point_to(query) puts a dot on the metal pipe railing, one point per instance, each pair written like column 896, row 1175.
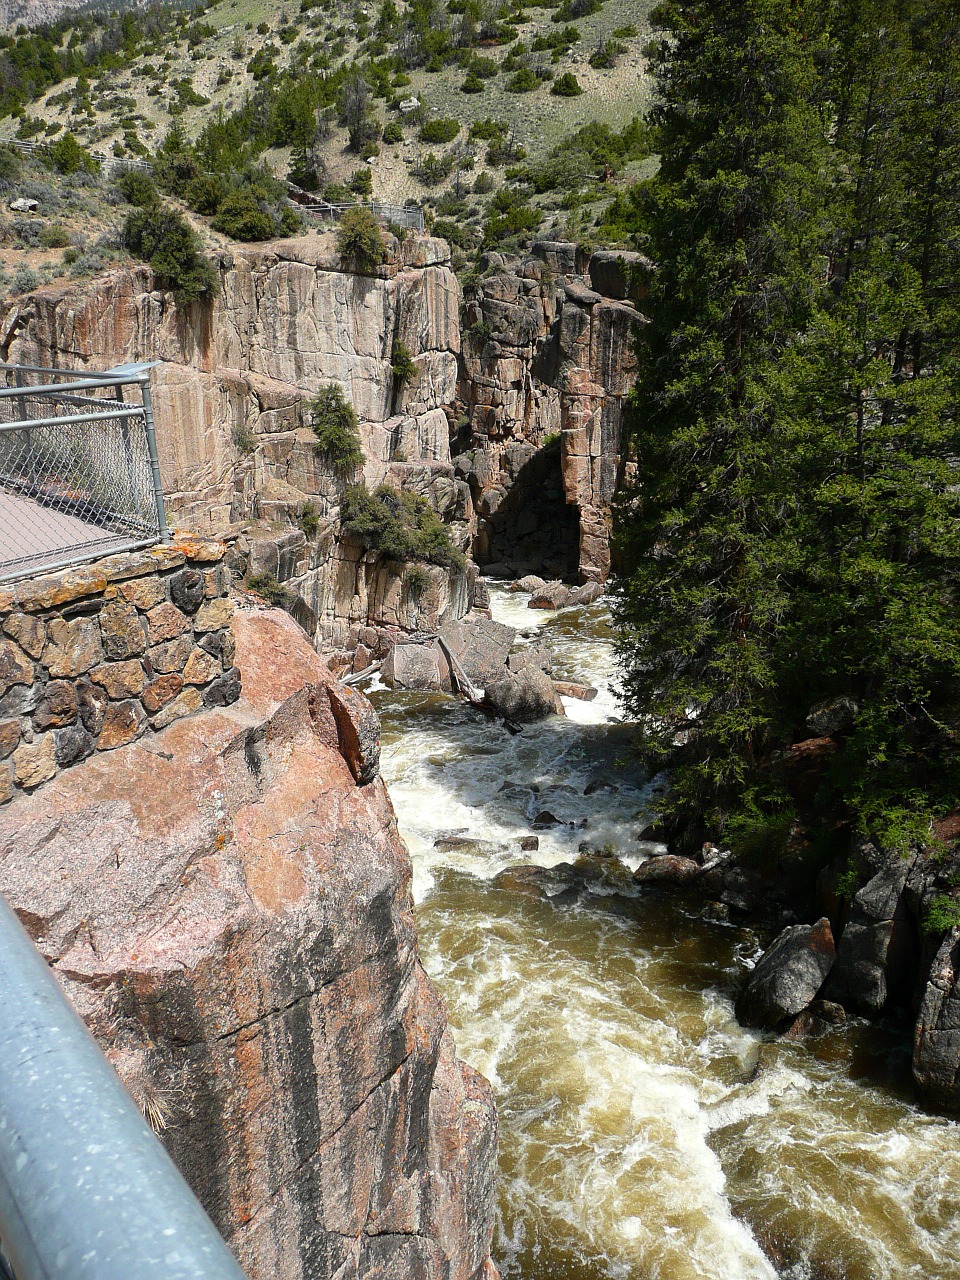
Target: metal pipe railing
column 87, row 1192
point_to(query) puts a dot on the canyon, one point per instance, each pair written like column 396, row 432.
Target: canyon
column 510, row 426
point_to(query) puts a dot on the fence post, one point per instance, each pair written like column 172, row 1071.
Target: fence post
column 154, row 461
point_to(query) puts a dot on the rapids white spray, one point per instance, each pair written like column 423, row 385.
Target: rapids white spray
column 644, row 1133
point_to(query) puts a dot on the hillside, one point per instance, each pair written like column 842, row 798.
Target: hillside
column 454, row 98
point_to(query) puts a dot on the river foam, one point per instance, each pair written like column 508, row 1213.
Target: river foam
column 644, row 1132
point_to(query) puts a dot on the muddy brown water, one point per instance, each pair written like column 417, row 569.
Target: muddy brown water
column 644, row 1134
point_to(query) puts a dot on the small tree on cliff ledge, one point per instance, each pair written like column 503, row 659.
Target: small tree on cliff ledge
column 360, row 241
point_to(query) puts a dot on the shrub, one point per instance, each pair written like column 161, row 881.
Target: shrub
column 308, row 519
column 137, row 188
column 161, row 236
column 416, row 579
column 242, row 216
column 566, row 86
column 439, row 131
column 67, row 156
column 401, row 526
column 244, row 438
column 266, row 585
column 335, row 425
column 484, row 183
column 360, row 241
column 10, row 167
column 574, row 9
column 402, row 364
column 54, row 237
column 944, row 914
column 361, row 182
column 606, row 54
column 393, row 133
column 472, row 84
column 205, row 193
column 24, row 279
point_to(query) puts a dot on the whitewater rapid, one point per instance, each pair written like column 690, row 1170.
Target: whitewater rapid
column 644, row 1134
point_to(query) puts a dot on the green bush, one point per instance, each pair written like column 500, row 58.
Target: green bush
column 404, row 369
column 308, row 518
column 439, row 131
column 401, row 526
column 566, row 86
column 335, row 425
column 472, row 84
column 944, row 914
column 67, row 156
column 54, row 237
column 266, row 585
column 574, row 9
column 243, row 216
column 360, row 241
column 416, row 580
column 10, row 167
column 393, row 133
column 205, row 193
column 162, row 236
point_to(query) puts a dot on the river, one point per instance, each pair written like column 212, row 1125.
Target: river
column 644, row 1134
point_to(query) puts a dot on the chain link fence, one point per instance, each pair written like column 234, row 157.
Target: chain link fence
column 79, row 474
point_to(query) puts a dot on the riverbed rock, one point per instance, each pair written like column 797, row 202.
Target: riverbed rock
column 530, row 582
column 569, row 689
column 788, row 975
column 412, row 666
column 524, row 697
column 239, row 936
column 936, row 1041
column 872, row 937
column 480, row 645
column 553, row 595
column 670, row 869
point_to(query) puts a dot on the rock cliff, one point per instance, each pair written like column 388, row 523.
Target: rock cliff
column 531, row 395
column 227, row 902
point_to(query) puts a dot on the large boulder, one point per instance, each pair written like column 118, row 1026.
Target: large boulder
column 936, row 1042
column 227, row 904
column 480, row 645
column 668, row 869
column 524, row 696
column 413, row 666
column 552, row 595
column 861, row 978
column 788, row 975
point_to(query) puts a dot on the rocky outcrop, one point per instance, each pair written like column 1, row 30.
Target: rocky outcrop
column 227, row 902
column 531, row 395
column 936, row 1043
column 788, row 975
column 231, row 394
column 547, row 363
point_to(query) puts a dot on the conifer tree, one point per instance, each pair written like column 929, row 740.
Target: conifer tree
column 732, row 224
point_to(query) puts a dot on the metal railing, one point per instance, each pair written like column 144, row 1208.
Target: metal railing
column 108, row 163
column 79, row 472
column 86, row 1190
column 402, row 215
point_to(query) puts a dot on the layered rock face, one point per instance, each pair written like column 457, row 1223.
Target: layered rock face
column 533, row 401
column 232, row 388
column 227, row 903
column 548, row 361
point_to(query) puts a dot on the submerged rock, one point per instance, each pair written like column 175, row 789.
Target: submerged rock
column 788, row 975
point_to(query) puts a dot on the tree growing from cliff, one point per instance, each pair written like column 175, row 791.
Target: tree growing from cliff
column 161, row 236
column 335, row 425
column 793, row 532
column 360, row 241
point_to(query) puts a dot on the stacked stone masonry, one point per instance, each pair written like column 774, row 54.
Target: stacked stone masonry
column 95, row 657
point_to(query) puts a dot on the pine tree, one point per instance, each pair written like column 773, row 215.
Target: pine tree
column 732, row 224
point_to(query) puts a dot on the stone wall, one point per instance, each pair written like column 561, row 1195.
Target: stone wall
column 95, row 657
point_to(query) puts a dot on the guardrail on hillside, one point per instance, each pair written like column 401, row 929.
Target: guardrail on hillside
column 400, row 215
column 79, row 471
column 86, row 1190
